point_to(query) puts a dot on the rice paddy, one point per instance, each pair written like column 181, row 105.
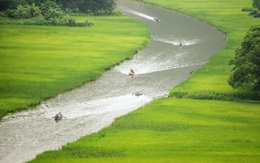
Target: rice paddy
column 39, row 62
column 183, row 129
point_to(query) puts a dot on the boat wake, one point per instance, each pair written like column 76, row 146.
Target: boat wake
column 158, row 62
column 123, row 103
column 176, row 41
column 138, row 14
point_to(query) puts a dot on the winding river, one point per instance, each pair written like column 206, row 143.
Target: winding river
column 88, row 109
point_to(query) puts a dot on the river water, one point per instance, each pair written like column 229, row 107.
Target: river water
column 88, row 109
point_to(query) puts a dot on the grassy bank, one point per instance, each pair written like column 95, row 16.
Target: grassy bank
column 184, row 130
column 172, row 130
column 38, row 62
column 211, row 81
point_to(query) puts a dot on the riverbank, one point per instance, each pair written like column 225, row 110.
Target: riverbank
column 184, row 130
column 210, row 82
column 172, row 130
column 39, row 62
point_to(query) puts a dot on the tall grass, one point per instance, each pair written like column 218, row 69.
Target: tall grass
column 172, row 130
column 38, row 62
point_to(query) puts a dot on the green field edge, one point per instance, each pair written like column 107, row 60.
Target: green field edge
column 232, row 94
column 35, row 104
column 95, row 75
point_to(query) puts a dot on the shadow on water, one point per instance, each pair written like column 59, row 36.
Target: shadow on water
column 158, row 68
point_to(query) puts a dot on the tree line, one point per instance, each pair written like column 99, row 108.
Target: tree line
column 256, row 4
column 94, row 7
column 55, row 12
column 255, row 11
column 246, row 72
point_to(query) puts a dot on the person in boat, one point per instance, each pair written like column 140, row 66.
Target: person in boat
column 137, row 93
column 156, row 19
column 58, row 116
column 131, row 73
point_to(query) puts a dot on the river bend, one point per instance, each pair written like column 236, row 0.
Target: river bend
column 95, row 105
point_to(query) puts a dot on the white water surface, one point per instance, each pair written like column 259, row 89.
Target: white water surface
column 127, row 10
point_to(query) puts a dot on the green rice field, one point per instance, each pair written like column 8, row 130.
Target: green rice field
column 39, row 62
column 172, row 130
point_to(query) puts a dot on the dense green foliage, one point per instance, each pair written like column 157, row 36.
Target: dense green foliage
column 24, row 12
column 255, row 12
column 39, row 62
column 48, row 13
column 55, row 12
column 256, row 4
column 246, row 73
column 11, row 4
column 95, row 7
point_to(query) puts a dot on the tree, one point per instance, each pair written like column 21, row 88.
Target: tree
column 24, row 12
column 95, row 7
column 246, row 73
column 256, row 4
column 10, row 4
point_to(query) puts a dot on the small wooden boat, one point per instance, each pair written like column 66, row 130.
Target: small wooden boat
column 137, row 93
column 58, row 117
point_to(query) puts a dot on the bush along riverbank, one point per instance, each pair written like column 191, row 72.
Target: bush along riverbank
column 39, row 62
column 180, row 129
